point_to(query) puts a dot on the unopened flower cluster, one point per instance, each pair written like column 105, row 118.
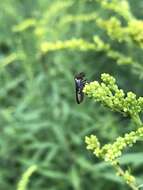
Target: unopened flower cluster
column 110, row 152
column 128, row 177
column 74, row 43
column 108, row 93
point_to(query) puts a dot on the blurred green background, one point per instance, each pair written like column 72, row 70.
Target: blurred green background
column 40, row 121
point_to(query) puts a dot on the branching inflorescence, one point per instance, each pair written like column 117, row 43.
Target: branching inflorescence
column 108, row 93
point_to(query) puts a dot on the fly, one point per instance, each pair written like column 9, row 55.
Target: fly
column 79, row 85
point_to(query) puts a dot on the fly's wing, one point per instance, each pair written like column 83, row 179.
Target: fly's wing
column 79, row 93
column 79, row 97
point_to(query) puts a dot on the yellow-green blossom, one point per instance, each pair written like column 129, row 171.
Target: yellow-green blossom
column 108, row 93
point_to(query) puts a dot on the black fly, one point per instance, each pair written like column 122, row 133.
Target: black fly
column 79, row 85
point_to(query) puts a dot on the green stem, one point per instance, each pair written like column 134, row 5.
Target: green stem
column 137, row 120
column 122, row 173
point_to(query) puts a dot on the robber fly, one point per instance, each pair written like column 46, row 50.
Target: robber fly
column 79, row 85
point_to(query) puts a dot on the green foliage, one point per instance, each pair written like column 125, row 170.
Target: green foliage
column 43, row 44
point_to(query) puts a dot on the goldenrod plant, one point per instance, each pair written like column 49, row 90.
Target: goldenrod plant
column 43, row 44
column 108, row 93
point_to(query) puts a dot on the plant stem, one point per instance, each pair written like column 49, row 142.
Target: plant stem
column 137, row 120
column 122, row 173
